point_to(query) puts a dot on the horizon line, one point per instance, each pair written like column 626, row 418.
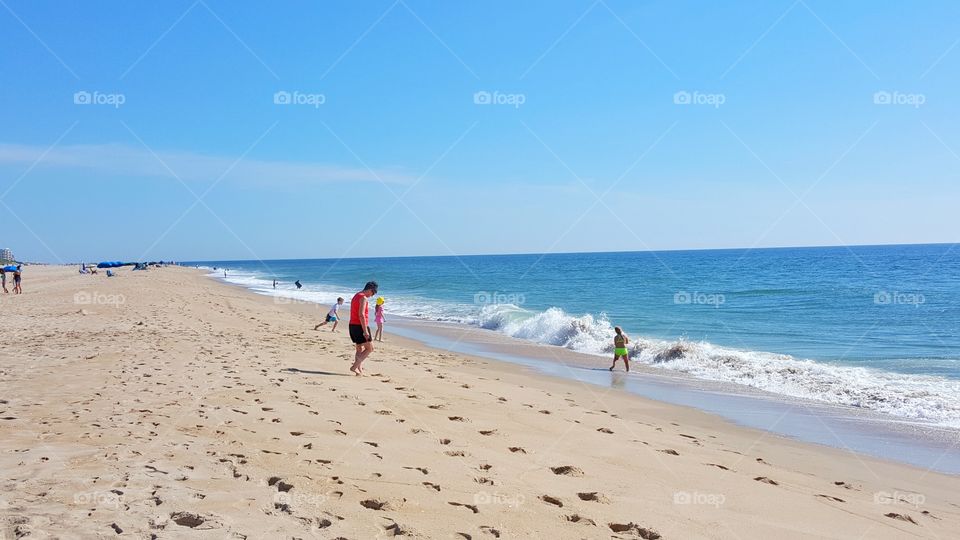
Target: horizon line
column 671, row 250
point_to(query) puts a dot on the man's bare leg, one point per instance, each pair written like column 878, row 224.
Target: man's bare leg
column 357, row 360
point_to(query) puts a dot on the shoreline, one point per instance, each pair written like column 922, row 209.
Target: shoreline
column 217, row 412
column 880, row 382
column 866, row 432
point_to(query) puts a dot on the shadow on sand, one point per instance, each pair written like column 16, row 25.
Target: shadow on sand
column 309, row 372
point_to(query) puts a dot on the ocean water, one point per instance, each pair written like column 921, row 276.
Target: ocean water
column 875, row 327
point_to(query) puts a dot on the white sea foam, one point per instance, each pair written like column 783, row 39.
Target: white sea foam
column 907, row 396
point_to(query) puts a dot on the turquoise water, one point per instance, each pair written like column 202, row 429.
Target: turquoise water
column 876, row 327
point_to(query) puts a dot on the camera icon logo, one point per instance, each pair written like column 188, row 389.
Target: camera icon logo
column 82, row 98
column 82, row 298
column 482, row 98
column 882, row 98
column 281, row 98
column 681, row 98
column 682, row 297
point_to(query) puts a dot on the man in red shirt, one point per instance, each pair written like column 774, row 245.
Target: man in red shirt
column 359, row 328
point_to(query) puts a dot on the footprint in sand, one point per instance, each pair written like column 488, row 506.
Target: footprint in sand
column 634, row 530
column 473, row 508
column 279, row 483
column 577, row 518
column 608, row 431
column 567, row 470
column 431, row 485
column 421, row 469
column 488, row 432
column 455, row 453
column 830, row 497
column 717, row 465
column 484, row 480
column 670, row 452
column 445, row 441
column 490, row 530
column 551, row 500
column 517, row 449
column 376, row 504
column 593, row 496
column 766, row 480
column 395, row 529
column 457, row 419
column 901, row 517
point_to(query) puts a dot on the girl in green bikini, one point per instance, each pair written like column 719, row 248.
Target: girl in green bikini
column 620, row 342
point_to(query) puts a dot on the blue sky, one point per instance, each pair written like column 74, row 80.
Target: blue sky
column 613, row 126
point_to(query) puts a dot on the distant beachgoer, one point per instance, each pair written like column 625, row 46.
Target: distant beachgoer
column 274, row 284
column 16, row 281
column 297, row 283
column 332, row 316
column 3, row 277
column 378, row 318
column 620, row 342
column 359, row 327
column 224, row 273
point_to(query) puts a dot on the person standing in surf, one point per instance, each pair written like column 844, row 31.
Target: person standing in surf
column 359, row 325
column 620, row 341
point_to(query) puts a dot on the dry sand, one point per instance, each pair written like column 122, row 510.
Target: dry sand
column 163, row 404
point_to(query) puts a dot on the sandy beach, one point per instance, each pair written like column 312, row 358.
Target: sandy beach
column 164, row 404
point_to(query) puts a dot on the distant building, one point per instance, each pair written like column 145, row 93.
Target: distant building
column 6, row 255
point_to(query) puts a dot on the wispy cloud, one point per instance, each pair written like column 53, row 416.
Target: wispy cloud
column 125, row 160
